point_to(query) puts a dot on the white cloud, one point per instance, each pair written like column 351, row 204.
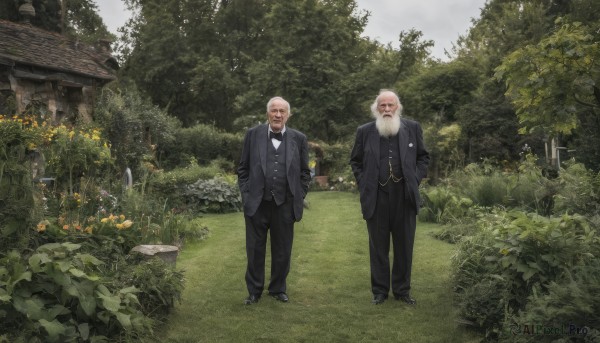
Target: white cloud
column 438, row 20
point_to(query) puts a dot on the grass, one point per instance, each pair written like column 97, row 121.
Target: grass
column 328, row 286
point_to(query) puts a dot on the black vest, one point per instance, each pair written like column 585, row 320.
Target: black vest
column 276, row 184
column 389, row 154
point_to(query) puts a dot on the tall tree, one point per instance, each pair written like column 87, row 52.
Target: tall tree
column 214, row 61
column 77, row 19
column 554, row 86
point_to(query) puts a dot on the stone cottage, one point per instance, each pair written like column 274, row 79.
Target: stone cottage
column 45, row 70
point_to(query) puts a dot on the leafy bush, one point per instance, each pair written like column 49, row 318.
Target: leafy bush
column 529, row 189
column 74, row 152
column 158, row 283
column 332, row 159
column 578, row 191
column 170, row 184
column 571, row 304
column 137, row 129
column 203, row 143
column 522, row 254
column 18, row 208
column 57, row 295
column 214, row 195
column 442, row 205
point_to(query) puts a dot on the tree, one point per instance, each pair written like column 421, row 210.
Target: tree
column 77, row 19
column 551, row 82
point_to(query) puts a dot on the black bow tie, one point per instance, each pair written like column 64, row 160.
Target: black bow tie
column 277, row 135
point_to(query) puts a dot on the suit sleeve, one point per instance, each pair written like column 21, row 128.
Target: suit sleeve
column 304, row 168
column 356, row 156
column 243, row 170
column 422, row 156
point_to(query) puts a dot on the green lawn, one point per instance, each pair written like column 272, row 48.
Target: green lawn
column 328, row 286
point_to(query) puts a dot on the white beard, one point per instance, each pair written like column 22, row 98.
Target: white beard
column 388, row 127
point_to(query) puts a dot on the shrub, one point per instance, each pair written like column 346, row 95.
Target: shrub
column 526, row 254
column 170, row 184
column 56, row 295
column 578, row 191
column 442, row 205
column 158, row 283
column 19, row 137
column 203, row 143
column 137, row 129
column 214, row 195
column 529, row 189
column 571, row 304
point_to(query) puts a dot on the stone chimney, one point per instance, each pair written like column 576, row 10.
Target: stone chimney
column 26, row 11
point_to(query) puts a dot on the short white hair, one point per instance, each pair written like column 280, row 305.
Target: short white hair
column 281, row 99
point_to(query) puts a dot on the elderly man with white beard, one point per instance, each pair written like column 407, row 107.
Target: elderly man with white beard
column 389, row 160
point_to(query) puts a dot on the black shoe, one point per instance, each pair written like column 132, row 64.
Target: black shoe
column 378, row 299
column 406, row 299
column 252, row 299
column 280, row 296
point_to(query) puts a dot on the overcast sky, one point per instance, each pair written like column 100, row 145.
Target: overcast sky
column 440, row 20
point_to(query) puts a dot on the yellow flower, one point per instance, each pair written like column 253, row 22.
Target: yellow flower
column 122, row 217
column 127, row 224
column 89, row 229
column 41, row 226
column 104, row 220
column 119, row 226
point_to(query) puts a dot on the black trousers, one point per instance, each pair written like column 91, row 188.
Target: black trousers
column 278, row 221
column 396, row 217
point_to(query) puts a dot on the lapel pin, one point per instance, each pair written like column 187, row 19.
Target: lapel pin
column 410, row 145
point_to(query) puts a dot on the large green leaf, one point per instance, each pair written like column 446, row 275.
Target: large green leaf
column 89, row 259
column 78, row 273
column 84, row 330
column 124, row 319
column 37, row 260
column 54, row 329
column 4, row 296
column 71, row 246
column 111, row 303
column 33, row 308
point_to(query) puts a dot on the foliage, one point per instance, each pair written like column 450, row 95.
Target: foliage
column 578, row 191
column 158, row 284
column 139, row 132
column 203, row 143
column 18, row 138
column 214, row 195
column 332, row 158
column 212, row 61
column 442, row 205
column 571, row 305
column 551, row 82
column 518, row 255
column 444, row 149
column 170, row 184
column 82, row 22
column 57, row 295
column 75, row 152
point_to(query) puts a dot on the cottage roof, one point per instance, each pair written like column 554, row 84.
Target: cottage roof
column 23, row 44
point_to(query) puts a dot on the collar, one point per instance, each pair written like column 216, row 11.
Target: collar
column 282, row 130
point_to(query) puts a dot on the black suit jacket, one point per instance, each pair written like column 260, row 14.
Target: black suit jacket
column 253, row 164
column 364, row 161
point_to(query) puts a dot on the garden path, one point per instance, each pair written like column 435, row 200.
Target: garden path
column 328, row 286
